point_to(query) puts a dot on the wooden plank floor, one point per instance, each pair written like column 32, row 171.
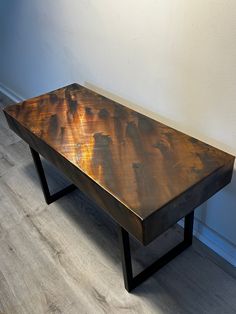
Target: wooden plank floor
column 64, row 258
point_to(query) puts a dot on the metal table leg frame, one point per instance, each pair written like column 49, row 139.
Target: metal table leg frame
column 49, row 198
column 131, row 281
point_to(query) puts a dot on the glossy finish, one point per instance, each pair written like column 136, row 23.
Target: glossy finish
column 144, row 173
column 64, row 258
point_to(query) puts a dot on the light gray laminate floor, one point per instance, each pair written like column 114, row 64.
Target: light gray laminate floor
column 64, row 258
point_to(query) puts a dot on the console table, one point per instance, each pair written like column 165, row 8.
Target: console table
column 144, row 174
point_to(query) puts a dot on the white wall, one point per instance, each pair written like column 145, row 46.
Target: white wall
column 172, row 59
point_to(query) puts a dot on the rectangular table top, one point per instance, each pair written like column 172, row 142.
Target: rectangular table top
column 150, row 174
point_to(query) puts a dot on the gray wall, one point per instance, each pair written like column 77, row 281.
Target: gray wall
column 174, row 60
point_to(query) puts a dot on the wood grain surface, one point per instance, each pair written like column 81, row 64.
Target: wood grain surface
column 151, row 174
column 65, row 259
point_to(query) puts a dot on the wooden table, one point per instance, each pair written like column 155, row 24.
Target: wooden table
column 146, row 175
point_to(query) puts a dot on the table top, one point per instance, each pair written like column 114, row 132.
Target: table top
column 142, row 163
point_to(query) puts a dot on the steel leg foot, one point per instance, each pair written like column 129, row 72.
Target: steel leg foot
column 131, row 281
column 49, row 198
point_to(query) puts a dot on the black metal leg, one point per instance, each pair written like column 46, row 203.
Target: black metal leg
column 131, row 281
column 188, row 228
column 49, row 198
column 126, row 259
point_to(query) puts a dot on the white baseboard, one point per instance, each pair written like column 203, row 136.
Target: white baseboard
column 213, row 240
column 10, row 93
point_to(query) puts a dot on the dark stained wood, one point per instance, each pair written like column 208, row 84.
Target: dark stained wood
column 145, row 174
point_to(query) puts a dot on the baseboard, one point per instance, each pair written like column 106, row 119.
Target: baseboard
column 214, row 241
column 10, row 93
